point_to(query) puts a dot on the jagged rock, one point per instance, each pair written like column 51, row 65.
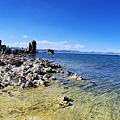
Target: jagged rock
column 30, row 50
column 32, row 47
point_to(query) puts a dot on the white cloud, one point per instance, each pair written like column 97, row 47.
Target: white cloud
column 68, row 46
column 25, row 36
column 62, row 45
column 16, row 44
column 45, row 44
column 78, row 46
column 111, row 49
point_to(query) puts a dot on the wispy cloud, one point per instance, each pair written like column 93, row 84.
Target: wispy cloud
column 45, row 44
column 78, row 46
column 16, row 44
column 62, row 45
column 113, row 50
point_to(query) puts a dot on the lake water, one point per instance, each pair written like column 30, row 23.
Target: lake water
column 102, row 71
column 101, row 74
column 97, row 97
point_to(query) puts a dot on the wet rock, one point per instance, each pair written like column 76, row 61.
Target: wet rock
column 75, row 77
column 46, row 77
column 68, row 73
column 6, row 83
column 29, row 84
column 1, row 86
column 64, row 104
column 52, row 78
column 40, row 82
column 22, row 85
column 64, row 101
column 63, row 98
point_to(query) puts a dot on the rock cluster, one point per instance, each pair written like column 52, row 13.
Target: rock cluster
column 17, row 71
column 75, row 77
column 4, row 49
column 30, row 50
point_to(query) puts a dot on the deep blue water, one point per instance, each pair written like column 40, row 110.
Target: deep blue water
column 102, row 71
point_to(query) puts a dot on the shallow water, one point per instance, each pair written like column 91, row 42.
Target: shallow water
column 97, row 97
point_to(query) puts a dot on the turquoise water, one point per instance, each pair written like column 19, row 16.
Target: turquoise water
column 98, row 95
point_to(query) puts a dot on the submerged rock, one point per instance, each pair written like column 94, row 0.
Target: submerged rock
column 63, row 98
column 64, row 101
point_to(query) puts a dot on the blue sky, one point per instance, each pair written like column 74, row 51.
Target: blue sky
column 84, row 25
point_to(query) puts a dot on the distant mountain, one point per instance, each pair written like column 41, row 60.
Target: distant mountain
column 72, row 51
column 79, row 52
column 58, row 51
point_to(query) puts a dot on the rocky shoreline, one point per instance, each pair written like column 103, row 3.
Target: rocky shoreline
column 18, row 71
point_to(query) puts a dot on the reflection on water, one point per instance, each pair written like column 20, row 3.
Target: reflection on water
column 97, row 97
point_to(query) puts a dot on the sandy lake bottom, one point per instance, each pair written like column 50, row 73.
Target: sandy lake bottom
column 41, row 103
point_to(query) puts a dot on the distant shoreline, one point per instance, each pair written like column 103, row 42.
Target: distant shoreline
column 78, row 52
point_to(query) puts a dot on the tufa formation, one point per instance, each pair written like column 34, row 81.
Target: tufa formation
column 31, row 49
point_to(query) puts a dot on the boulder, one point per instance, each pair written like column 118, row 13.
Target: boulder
column 50, row 51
